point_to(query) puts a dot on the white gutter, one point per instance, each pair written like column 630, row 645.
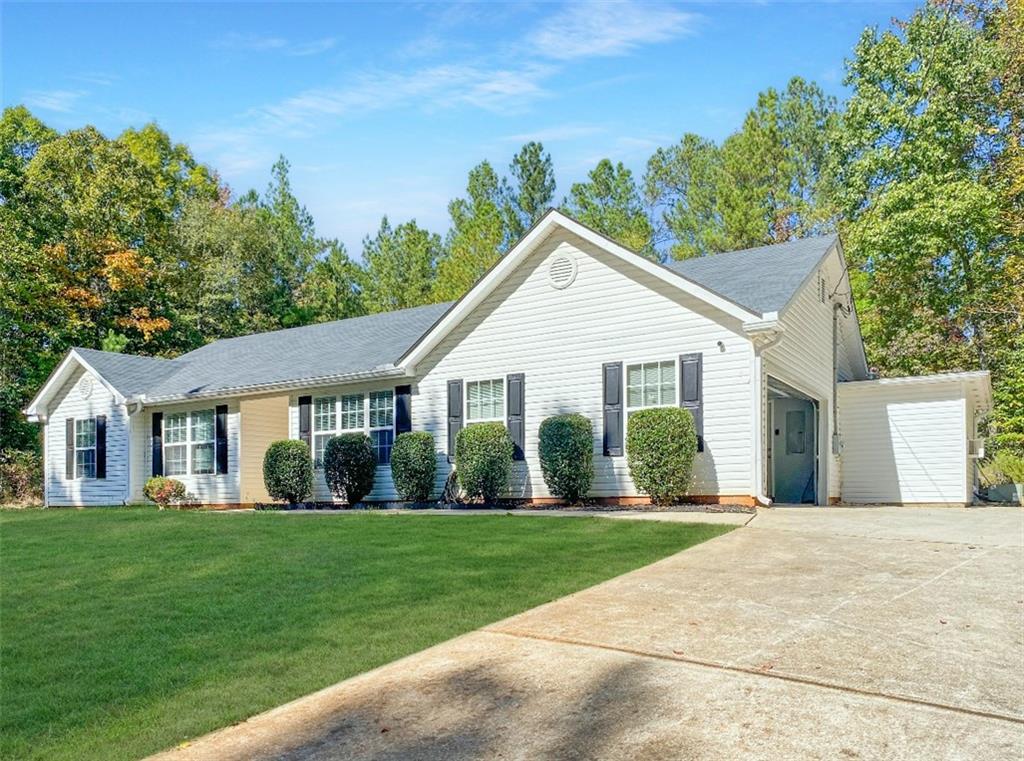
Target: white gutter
column 763, row 334
column 299, row 383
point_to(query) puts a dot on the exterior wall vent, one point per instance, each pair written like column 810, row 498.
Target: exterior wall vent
column 561, row 271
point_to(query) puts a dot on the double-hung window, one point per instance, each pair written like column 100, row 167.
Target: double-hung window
column 189, row 443
column 650, row 384
column 85, row 448
column 176, row 444
column 333, row 415
column 485, row 401
column 382, row 424
column 325, row 425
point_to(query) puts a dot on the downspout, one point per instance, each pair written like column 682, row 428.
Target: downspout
column 763, row 335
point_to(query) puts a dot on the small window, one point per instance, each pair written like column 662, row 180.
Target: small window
column 85, row 448
column 176, row 444
column 382, row 421
column 796, row 420
column 202, row 442
column 485, row 401
column 325, row 425
column 651, row 384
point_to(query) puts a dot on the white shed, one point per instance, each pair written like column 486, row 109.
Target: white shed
column 912, row 440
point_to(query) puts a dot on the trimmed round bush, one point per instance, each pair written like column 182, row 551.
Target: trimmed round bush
column 567, row 455
column 661, row 443
column 350, row 466
column 164, row 491
column 414, row 465
column 483, row 460
column 288, row 471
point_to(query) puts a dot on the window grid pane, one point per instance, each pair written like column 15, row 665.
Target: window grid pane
column 325, row 416
column 485, row 400
column 319, row 444
column 202, row 458
column 202, row 426
column 85, row 433
column 383, row 440
column 176, row 428
column 382, row 409
column 85, row 463
column 175, row 460
column 352, row 412
column 652, row 384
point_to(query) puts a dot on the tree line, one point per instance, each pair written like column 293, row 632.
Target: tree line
column 131, row 244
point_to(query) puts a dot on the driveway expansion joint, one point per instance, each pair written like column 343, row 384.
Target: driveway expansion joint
column 752, row 672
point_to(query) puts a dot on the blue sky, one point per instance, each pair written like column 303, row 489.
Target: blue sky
column 383, row 108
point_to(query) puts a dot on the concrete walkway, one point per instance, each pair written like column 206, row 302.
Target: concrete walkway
column 833, row 633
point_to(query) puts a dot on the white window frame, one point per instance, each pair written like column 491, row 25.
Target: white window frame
column 80, row 473
column 190, row 442
column 643, row 406
column 502, row 418
column 362, row 412
column 371, row 429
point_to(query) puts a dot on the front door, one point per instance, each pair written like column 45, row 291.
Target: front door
column 794, row 451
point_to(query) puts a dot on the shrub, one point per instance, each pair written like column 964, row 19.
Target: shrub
column 288, row 471
column 660, row 446
column 1010, row 464
column 567, row 455
column 350, row 465
column 483, row 460
column 164, row 491
column 21, row 476
column 414, row 465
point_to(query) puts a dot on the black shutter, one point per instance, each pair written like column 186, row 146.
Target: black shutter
column 516, row 384
column 158, row 443
column 101, row 446
column 221, row 438
column 612, row 379
column 403, row 409
column 691, row 391
column 305, row 402
column 454, row 415
column 69, row 448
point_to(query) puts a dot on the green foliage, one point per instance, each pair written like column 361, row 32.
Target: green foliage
column 530, row 191
column 610, row 203
column 1010, row 465
column 567, row 455
column 114, row 342
column 477, row 236
column 414, row 465
column 164, row 491
column 483, row 461
column 288, row 471
column 350, row 466
column 661, row 443
column 21, row 477
column 400, row 267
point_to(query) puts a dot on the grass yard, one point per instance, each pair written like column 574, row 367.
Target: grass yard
column 126, row 631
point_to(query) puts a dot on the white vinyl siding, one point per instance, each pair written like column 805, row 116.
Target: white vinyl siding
column 904, row 443
column 69, row 402
column 803, row 356
column 199, row 450
column 559, row 339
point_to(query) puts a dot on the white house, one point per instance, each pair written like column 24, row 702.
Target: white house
column 762, row 345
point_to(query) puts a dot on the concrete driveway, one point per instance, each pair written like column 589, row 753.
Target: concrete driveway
column 839, row 633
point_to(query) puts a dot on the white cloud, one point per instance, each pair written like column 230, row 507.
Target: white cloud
column 555, row 134
column 62, row 101
column 236, row 42
column 584, row 30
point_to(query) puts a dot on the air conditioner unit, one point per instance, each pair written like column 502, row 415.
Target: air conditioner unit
column 976, row 448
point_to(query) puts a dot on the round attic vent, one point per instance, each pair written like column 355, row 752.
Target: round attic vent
column 85, row 387
column 561, row 271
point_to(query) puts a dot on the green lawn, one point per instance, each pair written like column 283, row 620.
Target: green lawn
column 126, row 631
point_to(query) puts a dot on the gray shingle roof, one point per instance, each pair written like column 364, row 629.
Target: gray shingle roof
column 129, row 373
column 761, row 279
